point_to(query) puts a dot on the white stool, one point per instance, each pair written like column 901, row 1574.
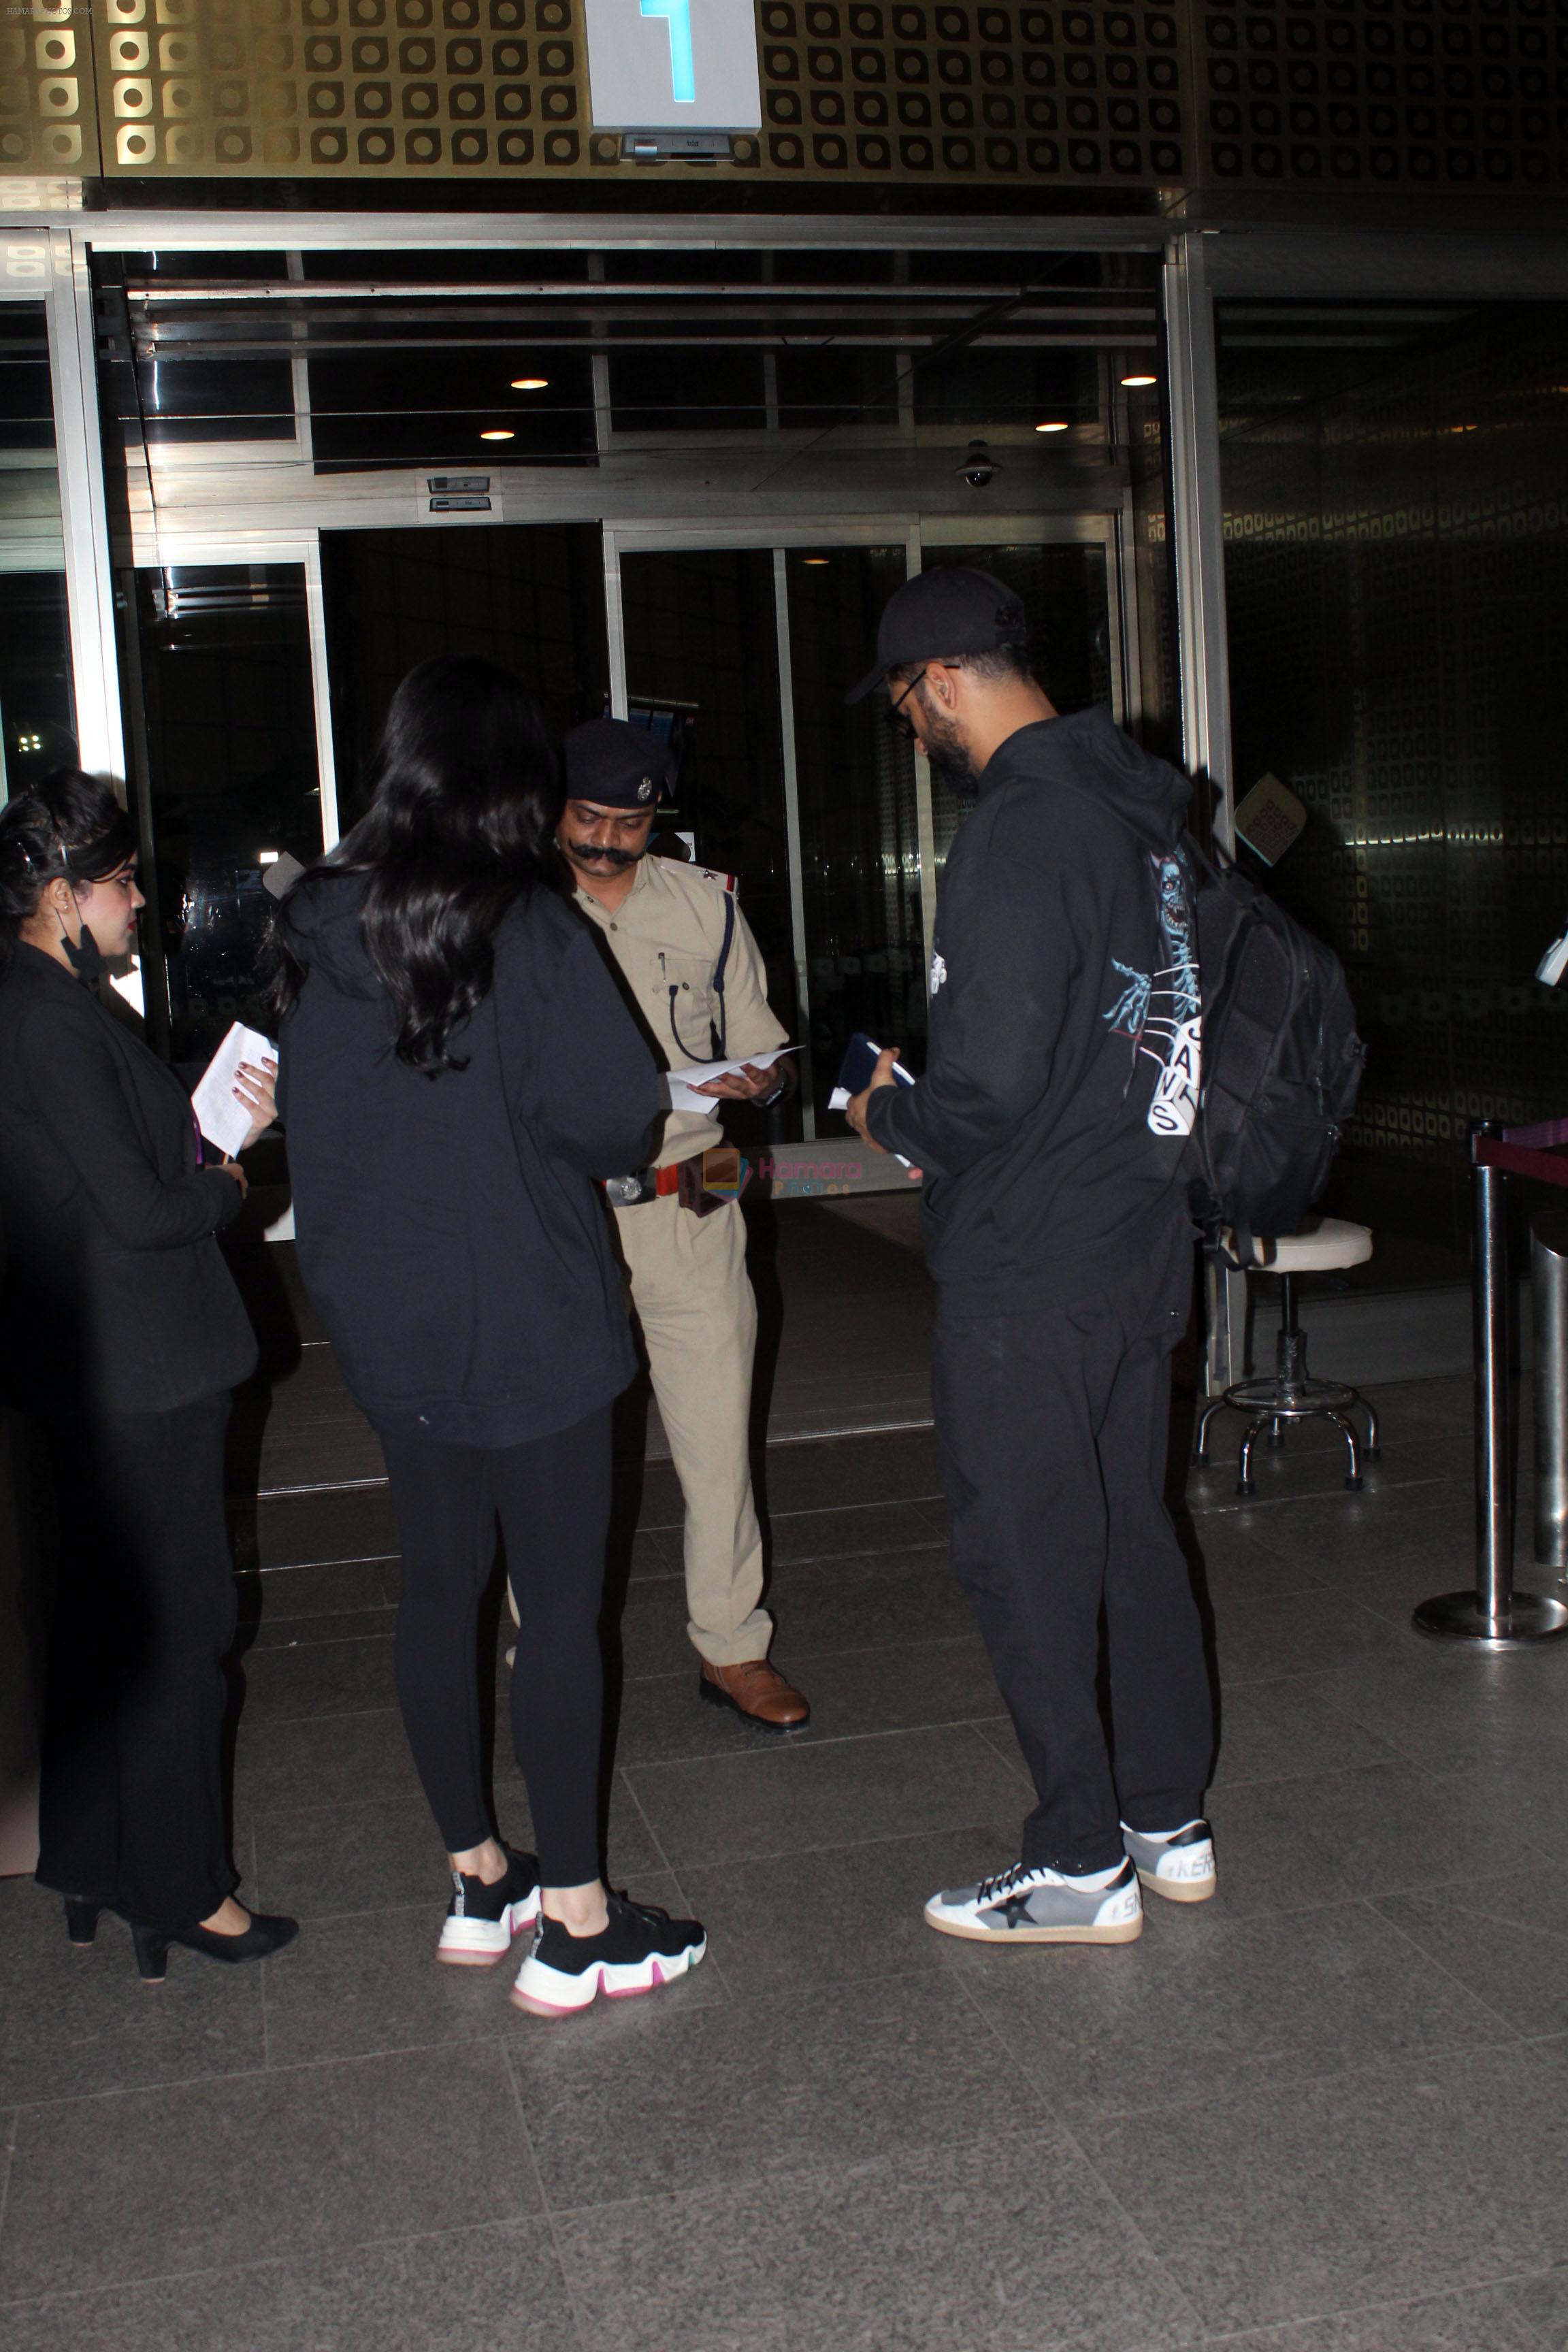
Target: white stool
column 1287, row 1395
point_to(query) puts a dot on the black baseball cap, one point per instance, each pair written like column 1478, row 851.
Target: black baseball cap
column 949, row 610
column 616, row 764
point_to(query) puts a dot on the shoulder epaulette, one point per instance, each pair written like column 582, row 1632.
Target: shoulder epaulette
column 711, row 874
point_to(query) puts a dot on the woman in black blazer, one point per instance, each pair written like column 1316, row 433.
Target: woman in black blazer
column 121, row 1330
column 457, row 1066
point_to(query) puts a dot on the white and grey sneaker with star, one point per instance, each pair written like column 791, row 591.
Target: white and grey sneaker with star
column 1022, row 1906
column 1177, row 1864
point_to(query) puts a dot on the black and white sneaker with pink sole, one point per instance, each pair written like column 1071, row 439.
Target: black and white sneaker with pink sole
column 642, row 1948
column 481, row 1920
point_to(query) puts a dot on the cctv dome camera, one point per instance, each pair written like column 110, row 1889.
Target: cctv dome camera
column 978, row 465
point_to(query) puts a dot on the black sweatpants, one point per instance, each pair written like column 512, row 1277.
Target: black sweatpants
column 132, row 1799
column 1053, row 1428
column 552, row 1496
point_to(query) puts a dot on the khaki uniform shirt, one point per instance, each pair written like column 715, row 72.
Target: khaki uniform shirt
column 665, row 936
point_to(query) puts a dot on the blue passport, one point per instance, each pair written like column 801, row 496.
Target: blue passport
column 860, row 1065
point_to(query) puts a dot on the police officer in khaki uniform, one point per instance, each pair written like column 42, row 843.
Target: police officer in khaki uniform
column 694, row 974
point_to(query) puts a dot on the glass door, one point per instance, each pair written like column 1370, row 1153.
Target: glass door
column 822, row 811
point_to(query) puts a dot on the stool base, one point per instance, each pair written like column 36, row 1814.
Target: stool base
column 1456, row 1617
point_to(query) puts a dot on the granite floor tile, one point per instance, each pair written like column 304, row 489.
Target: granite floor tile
column 1263, row 1637
column 499, row 2286
column 1373, row 2187
column 734, row 2092
column 373, row 1983
column 355, row 1522
column 1505, row 1938
column 336, row 1588
column 899, row 1688
column 324, row 1862
column 75, row 2022
column 663, row 1719
column 999, row 2246
column 818, row 1607
column 272, row 1631
column 321, row 1760
column 1280, row 1730
column 315, row 2158
column 843, row 1533
column 897, row 1467
column 799, row 1919
column 1489, row 2319
column 1444, row 1707
column 311, row 1679
column 1283, row 1845
column 731, row 1809
column 1245, row 1569
column 1543, row 2303
column 860, row 1604
column 1202, row 2005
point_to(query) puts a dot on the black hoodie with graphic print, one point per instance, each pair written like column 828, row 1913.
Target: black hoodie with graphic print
column 1063, row 1064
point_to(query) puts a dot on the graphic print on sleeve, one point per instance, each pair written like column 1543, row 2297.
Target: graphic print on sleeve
column 1162, row 1012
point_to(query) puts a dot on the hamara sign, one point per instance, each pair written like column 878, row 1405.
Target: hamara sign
column 673, row 65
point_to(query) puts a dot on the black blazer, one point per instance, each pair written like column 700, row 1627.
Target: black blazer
column 115, row 1296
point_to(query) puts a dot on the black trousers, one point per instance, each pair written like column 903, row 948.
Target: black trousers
column 132, row 1802
column 552, row 1496
column 1053, row 1429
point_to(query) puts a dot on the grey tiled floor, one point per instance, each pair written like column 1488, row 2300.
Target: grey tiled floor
column 1327, row 2112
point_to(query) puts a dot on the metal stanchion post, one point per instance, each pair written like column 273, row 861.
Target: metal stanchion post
column 1549, row 1294
column 1494, row 1613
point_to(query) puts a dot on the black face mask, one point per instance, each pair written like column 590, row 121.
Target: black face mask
column 84, row 955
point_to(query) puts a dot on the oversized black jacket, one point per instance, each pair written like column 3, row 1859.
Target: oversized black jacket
column 1063, row 1062
column 449, row 1227
column 115, row 1297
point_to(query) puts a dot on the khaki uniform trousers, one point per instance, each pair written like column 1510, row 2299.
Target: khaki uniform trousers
column 693, row 1298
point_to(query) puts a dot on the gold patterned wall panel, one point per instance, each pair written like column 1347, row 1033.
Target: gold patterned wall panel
column 1151, row 99
column 852, row 89
column 47, row 117
column 1370, row 94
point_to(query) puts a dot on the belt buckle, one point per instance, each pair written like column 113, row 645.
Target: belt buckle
column 631, row 1191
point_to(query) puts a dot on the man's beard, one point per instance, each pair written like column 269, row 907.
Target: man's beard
column 948, row 756
column 581, row 854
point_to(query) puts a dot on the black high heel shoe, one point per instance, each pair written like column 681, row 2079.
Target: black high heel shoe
column 268, row 1932
column 82, row 1920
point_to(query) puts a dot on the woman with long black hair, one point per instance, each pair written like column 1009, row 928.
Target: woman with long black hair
column 121, row 1330
column 458, row 1068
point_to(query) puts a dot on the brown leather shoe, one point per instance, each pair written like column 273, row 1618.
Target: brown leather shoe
column 757, row 1691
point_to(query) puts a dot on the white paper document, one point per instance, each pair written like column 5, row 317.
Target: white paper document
column 221, row 1116
column 678, row 1083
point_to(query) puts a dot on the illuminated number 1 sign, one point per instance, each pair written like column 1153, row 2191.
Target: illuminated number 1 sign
column 683, row 65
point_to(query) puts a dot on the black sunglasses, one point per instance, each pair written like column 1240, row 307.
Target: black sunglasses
column 897, row 717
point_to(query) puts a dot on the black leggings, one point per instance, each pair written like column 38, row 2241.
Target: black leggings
column 552, row 1496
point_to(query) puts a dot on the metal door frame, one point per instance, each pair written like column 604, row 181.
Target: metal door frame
column 915, row 533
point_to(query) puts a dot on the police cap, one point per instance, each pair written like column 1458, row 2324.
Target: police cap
column 615, row 765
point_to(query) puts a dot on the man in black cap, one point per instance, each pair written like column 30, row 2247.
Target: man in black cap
column 1061, row 1085
column 694, row 972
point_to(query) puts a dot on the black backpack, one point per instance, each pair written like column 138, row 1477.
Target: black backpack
column 1281, row 1062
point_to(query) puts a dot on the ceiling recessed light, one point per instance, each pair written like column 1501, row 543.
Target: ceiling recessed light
column 498, row 433
column 531, row 384
column 1057, row 424
column 814, row 559
column 1138, row 383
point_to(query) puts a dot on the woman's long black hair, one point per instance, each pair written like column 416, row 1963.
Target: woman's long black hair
column 466, row 802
